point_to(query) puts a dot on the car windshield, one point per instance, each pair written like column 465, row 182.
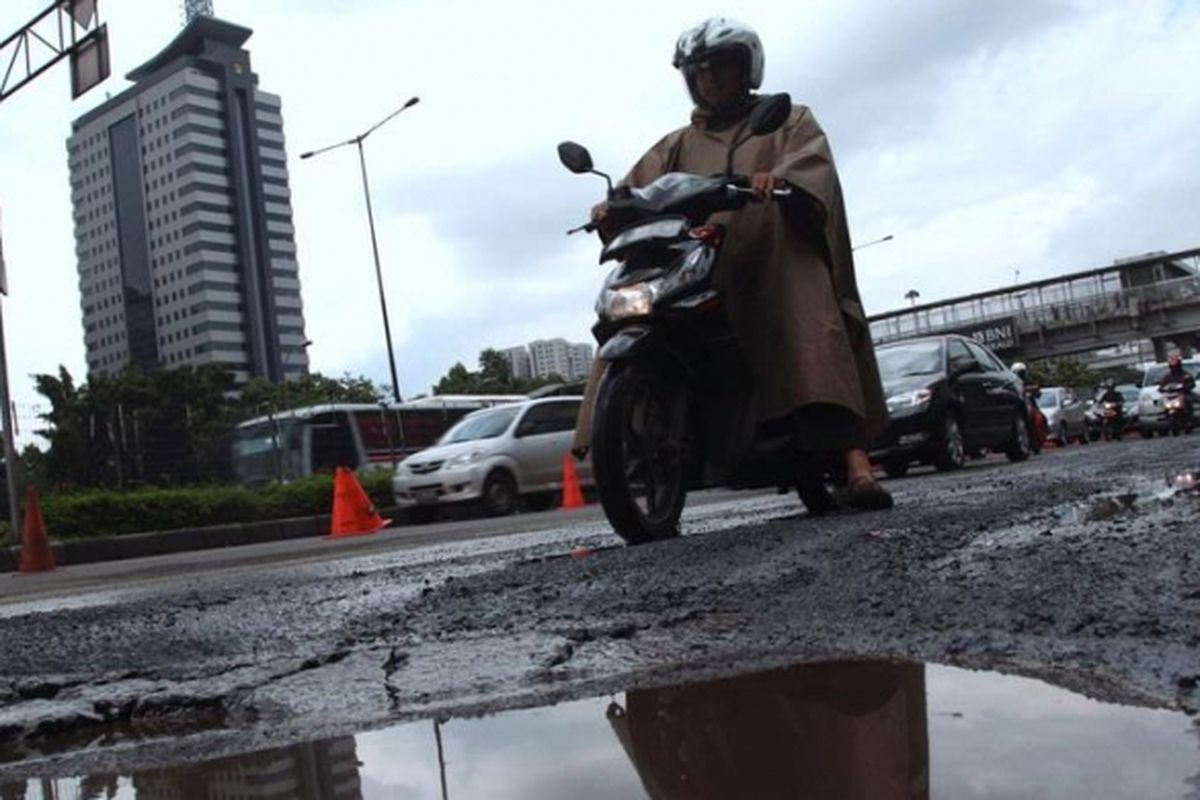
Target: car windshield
column 481, row 425
column 1128, row 393
column 1048, row 398
column 914, row 358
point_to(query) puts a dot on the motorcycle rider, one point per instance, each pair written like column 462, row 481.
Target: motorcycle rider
column 1109, row 394
column 786, row 274
column 1037, row 418
column 1177, row 375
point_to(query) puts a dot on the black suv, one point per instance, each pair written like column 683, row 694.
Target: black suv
column 947, row 397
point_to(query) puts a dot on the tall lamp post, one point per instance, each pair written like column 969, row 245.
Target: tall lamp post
column 362, row 160
column 880, row 240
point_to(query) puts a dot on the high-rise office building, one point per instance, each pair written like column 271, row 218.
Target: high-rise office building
column 183, row 218
column 518, row 362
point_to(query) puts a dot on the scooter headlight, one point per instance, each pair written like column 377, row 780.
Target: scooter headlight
column 635, row 300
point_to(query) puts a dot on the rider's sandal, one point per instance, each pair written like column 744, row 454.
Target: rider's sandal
column 865, row 494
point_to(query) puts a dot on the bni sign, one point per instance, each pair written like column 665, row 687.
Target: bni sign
column 996, row 335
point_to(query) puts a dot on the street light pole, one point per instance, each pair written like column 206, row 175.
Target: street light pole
column 387, row 328
column 362, row 160
column 880, row 240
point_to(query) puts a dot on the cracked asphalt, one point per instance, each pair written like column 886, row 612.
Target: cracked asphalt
column 1079, row 567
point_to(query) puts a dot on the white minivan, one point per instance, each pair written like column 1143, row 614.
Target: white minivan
column 498, row 456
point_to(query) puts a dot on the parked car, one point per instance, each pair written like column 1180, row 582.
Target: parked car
column 1065, row 415
column 1129, row 409
column 498, row 457
column 947, row 396
column 1151, row 419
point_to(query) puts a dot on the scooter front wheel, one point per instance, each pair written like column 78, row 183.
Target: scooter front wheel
column 637, row 452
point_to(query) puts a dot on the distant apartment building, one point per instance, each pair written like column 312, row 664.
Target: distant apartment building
column 518, row 362
column 324, row 770
column 560, row 357
column 183, row 219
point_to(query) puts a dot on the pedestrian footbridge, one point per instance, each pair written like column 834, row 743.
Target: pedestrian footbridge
column 1155, row 297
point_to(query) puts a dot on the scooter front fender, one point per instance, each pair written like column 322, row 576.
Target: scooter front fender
column 632, row 341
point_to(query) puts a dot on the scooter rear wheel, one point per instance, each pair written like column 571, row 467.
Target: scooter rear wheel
column 637, row 452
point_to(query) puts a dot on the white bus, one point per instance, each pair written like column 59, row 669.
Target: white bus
column 303, row 441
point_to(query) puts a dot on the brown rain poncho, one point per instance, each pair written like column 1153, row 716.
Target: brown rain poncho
column 792, row 300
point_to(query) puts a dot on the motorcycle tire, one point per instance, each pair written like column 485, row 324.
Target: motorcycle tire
column 815, row 495
column 637, row 452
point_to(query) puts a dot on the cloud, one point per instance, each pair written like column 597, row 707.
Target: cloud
column 985, row 137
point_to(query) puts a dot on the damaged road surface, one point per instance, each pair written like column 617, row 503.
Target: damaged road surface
column 1079, row 568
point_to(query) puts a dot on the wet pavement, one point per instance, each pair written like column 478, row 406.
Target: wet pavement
column 839, row 730
column 1077, row 568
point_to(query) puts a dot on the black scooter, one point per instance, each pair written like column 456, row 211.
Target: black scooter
column 675, row 407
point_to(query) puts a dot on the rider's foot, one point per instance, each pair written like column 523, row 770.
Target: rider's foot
column 865, row 493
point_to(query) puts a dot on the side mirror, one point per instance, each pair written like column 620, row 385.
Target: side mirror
column 770, row 113
column 575, row 157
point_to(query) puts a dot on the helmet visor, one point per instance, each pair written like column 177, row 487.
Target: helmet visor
column 714, row 61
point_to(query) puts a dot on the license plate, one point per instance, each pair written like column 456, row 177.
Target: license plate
column 426, row 495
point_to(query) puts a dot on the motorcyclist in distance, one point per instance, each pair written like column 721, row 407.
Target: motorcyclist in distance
column 1177, row 374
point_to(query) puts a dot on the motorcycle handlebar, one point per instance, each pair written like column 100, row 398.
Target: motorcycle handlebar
column 734, row 190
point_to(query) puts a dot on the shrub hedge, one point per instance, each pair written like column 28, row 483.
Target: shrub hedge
column 105, row 512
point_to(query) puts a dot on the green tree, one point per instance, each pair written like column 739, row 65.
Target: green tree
column 458, row 380
column 495, row 373
column 1064, row 371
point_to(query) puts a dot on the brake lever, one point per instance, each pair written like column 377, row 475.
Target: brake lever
column 587, row 227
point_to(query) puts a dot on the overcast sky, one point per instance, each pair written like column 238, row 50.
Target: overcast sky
column 986, row 136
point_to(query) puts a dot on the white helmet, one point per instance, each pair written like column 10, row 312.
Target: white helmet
column 1018, row 368
column 720, row 33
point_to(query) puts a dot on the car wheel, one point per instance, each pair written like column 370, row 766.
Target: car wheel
column 499, row 494
column 1018, row 446
column 895, row 468
column 1060, row 436
column 952, row 454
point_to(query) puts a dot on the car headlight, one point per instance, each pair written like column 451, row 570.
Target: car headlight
column 635, row 300
column 909, row 399
column 463, row 460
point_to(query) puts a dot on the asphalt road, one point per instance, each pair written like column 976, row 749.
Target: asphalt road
column 1078, row 567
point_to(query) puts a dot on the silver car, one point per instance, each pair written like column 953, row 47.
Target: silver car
column 1065, row 415
column 497, row 456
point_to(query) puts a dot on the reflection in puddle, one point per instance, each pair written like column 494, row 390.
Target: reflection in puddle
column 844, row 730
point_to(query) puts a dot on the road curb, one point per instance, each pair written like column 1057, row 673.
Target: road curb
column 73, row 552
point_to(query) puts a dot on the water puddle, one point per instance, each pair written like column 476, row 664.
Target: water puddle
column 846, row 730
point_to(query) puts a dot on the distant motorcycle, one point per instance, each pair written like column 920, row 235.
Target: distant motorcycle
column 1112, row 421
column 1039, row 427
column 1177, row 406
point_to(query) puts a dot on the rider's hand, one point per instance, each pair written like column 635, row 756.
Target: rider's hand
column 599, row 212
column 762, row 184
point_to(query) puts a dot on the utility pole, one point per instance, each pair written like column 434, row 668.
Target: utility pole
column 10, row 448
column 68, row 29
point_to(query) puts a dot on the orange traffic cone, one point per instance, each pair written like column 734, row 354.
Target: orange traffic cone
column 572, row 494
column 36, row 554
column 353, row 512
